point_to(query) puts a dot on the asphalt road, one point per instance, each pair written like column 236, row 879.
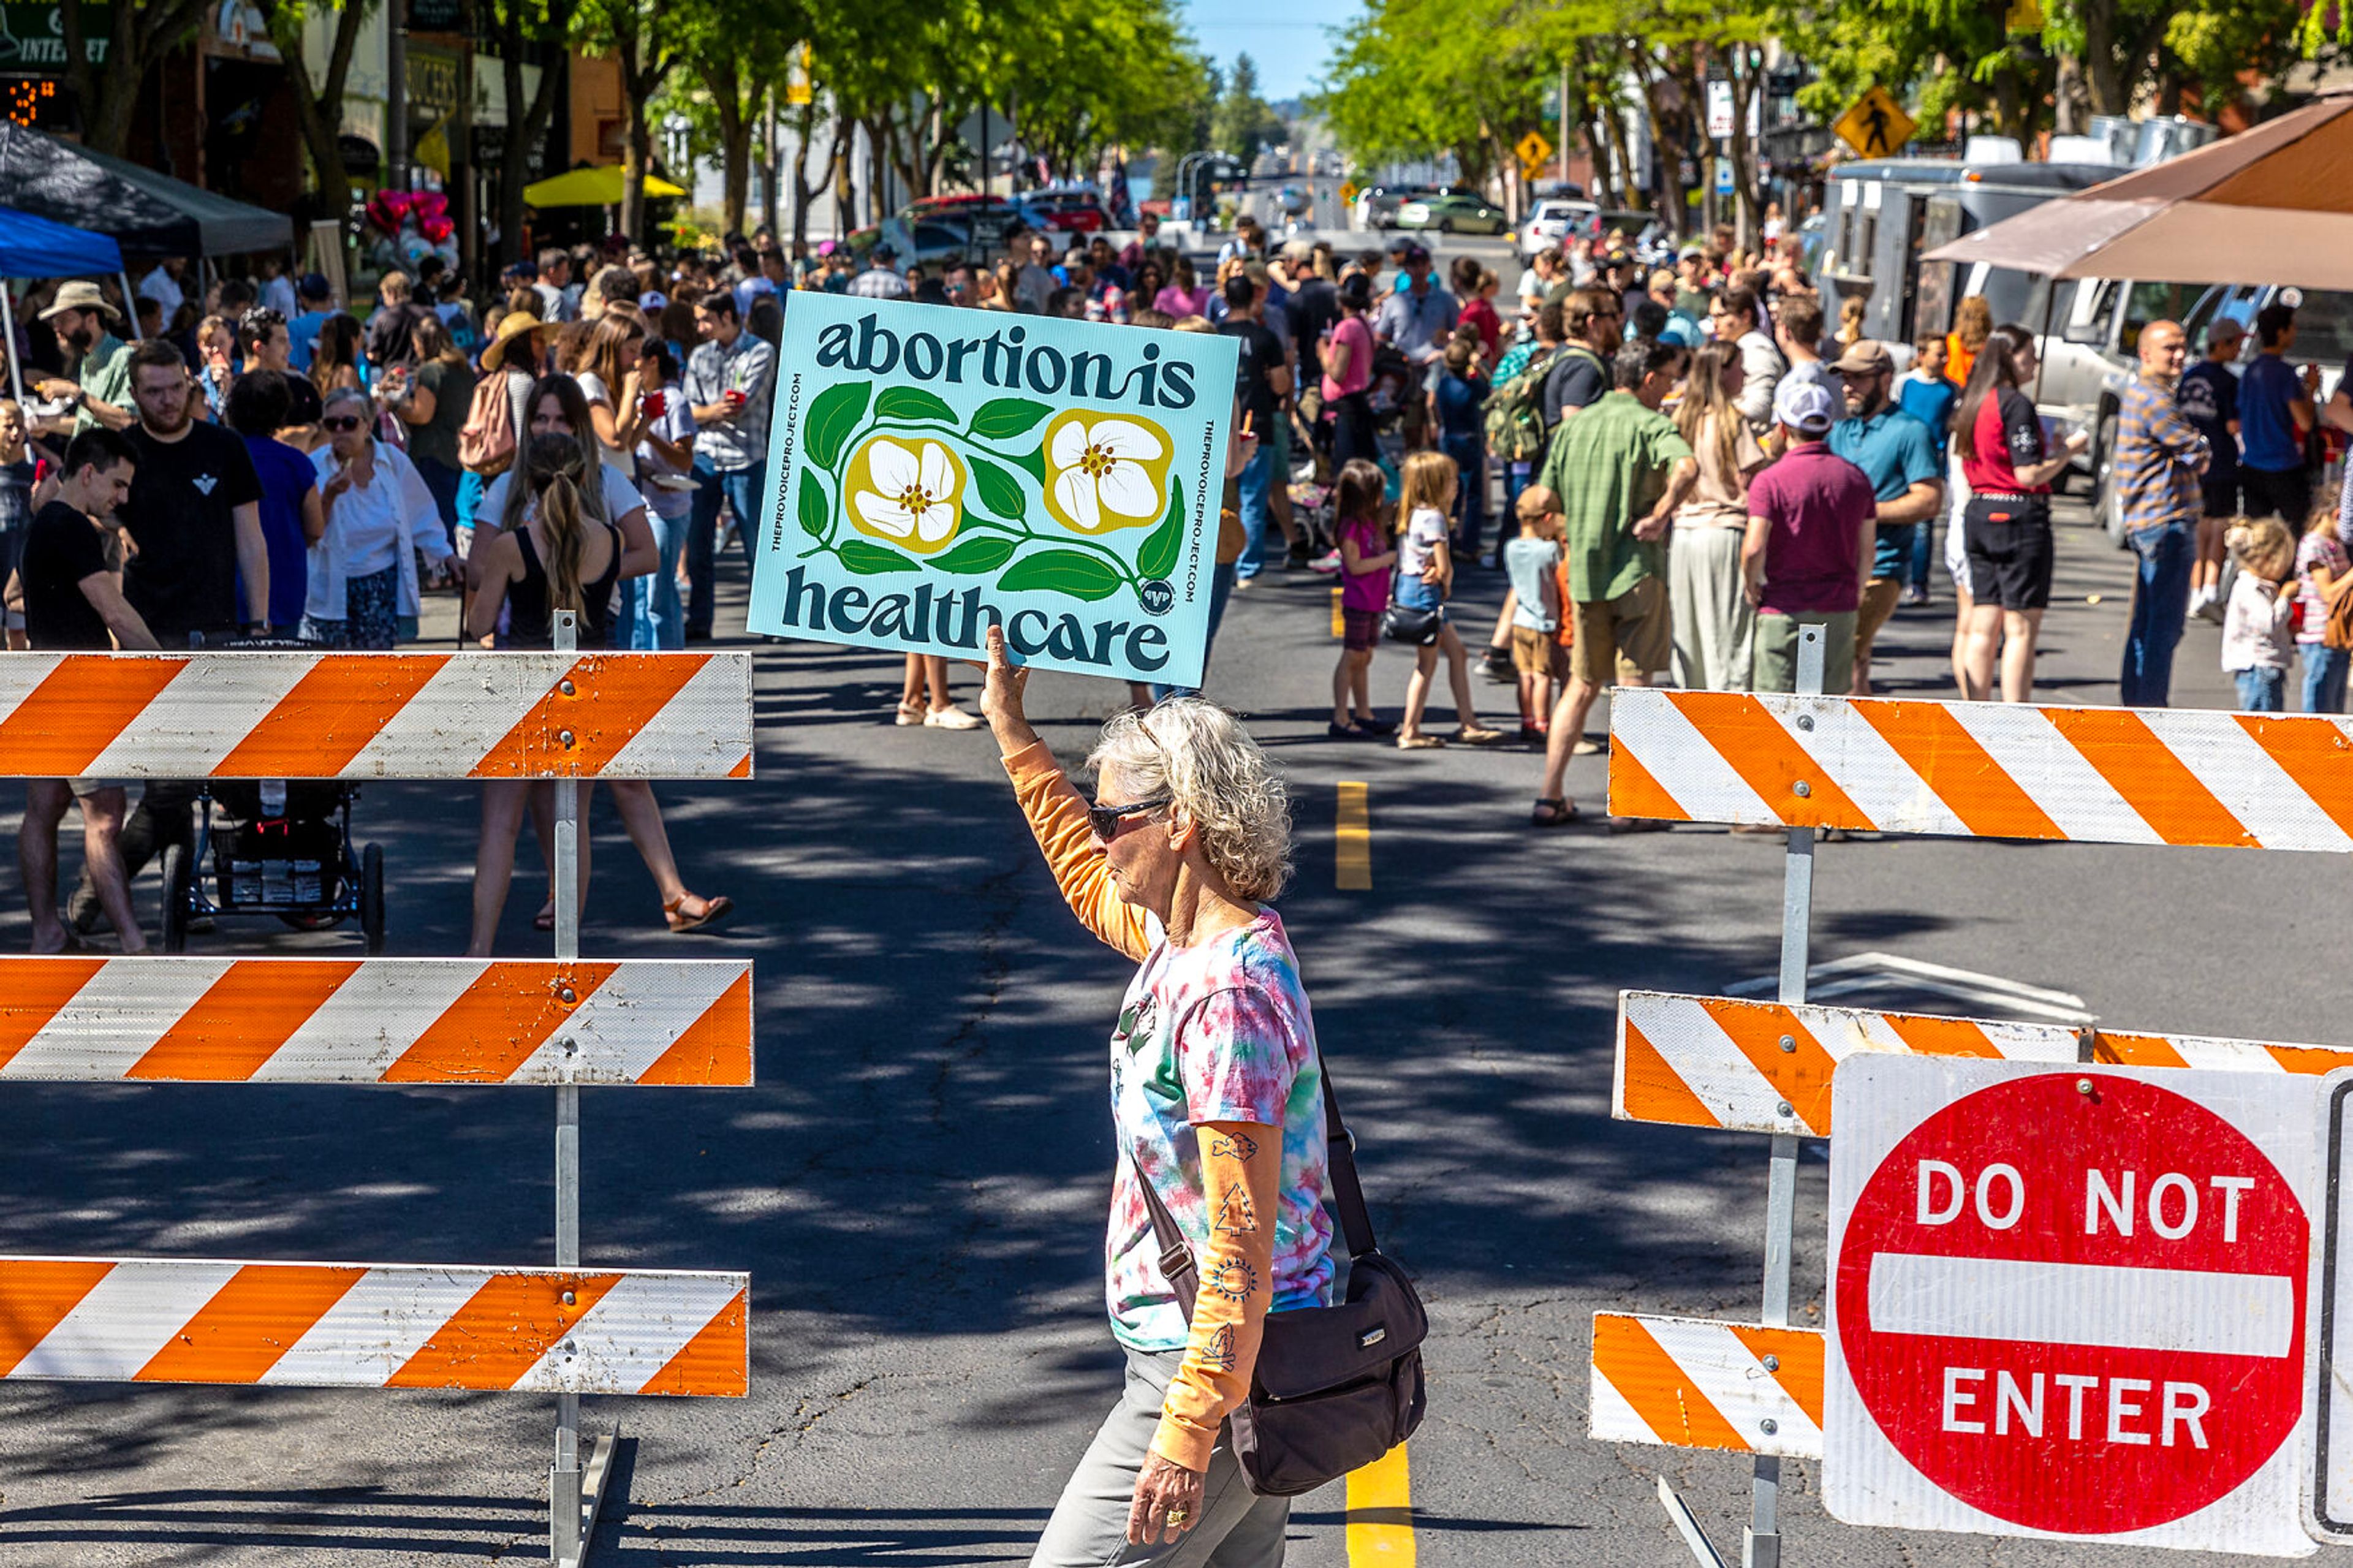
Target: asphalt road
column 917, row 1185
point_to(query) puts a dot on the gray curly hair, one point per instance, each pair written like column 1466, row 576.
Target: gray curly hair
column 1200, row 757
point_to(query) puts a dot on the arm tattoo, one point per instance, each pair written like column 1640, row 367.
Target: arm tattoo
column 1240, row 1146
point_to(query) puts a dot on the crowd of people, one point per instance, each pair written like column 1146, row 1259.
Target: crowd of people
column 1684, row 465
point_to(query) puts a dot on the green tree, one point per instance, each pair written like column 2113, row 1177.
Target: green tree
column 1242, row 123
column 318, row 100
column 519, row 27
column 644, row 38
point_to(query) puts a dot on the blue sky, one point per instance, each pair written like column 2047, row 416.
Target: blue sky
column 1287, row 40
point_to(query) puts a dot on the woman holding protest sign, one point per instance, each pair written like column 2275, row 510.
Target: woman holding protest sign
column 1218, row 1101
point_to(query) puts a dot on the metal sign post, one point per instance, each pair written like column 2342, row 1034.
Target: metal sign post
column 1761, row 1541
column 573, row 1492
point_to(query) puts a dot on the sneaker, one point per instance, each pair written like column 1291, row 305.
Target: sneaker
column 952, row 718
column 1914, row 597
column 2211, row 607
column 910, row 713
column 1498, row 668
column 1529, row 733
column 1326, row 563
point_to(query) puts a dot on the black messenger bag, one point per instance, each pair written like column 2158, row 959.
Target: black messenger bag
column 1335, row 1387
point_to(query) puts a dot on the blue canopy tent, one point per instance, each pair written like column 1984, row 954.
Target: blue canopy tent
column 34, row 246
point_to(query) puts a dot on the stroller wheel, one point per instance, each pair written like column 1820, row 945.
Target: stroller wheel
column 372, row 896
column 178, row 883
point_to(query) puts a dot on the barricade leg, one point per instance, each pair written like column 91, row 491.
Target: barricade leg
column 573, row 1488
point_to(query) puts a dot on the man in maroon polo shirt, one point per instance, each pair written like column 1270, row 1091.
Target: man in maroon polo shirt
column 1811, row 517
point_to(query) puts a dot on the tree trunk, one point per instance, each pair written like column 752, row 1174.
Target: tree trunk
column 319, row 108
column 845, row 191
column 2070, row 102
column 1747, row 178
column 138, row 35
column 720, row 79
column 878, row 162
column 514, row 165
column 2104, row 68
column 804, row 188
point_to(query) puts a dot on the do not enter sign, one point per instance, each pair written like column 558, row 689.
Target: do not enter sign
column 2070, row 1303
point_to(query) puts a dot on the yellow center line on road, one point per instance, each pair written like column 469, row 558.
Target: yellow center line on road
column 1339, row 626
column 1352, row 840
column 1380, row 1512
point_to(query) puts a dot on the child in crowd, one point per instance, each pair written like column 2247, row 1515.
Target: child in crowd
column 1365, row 559
column 2324, row 575
column 2256, row 629
column 1533, row 561
column 1425, row 576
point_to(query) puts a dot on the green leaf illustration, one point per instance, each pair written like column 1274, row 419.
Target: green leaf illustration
column 1158, row 556
column 1033, row 463
column 1071, row 571
column 815, row 516
column 999, row 491
column 981, row 552
column 831, row 417
column 867, row 559
column 1002, row 418
column 913, row 402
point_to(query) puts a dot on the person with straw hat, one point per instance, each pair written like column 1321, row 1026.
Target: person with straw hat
column 98, row 363
column 510, row 358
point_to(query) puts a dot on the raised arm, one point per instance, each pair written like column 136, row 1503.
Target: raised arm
column 1057, row 814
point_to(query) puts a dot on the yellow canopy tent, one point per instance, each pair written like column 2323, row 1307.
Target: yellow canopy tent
column 597, row 187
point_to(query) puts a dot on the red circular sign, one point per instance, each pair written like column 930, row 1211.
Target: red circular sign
column 2077, row 1312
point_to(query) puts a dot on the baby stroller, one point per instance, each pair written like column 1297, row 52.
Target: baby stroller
column 281, row 847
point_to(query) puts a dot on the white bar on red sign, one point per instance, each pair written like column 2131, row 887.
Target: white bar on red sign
column 2080, row 1304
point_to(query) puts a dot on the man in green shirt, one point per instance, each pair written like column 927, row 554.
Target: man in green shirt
column 1621, row 469
column 97, row 361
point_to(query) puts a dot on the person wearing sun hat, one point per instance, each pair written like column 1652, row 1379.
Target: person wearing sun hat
column 98, row 363
column 519, row 368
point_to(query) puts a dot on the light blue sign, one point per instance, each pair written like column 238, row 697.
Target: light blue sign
column 932, row 471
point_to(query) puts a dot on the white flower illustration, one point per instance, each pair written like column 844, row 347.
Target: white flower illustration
column 1100, row 477
column 909, row 497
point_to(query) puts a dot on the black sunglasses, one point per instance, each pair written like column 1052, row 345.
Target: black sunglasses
column 1110, row 821
column 347, row 422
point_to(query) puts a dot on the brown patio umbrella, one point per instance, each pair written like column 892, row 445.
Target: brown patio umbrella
column 2272, row 205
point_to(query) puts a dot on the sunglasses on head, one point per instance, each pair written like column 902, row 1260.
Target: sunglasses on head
column 344, row 423
column 1110, row 821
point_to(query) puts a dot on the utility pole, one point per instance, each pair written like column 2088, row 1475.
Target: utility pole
column 768, row 169
column 396, row 96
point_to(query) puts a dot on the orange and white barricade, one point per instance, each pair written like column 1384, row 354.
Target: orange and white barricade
column 562, row 1023
column 1804, row 761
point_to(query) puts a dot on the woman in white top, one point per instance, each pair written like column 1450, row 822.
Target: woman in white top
column 379, row 514
column 1708, row 607
column 607, row 376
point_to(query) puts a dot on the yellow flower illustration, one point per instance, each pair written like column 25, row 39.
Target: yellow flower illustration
column 1105, row 471
column 913, row 499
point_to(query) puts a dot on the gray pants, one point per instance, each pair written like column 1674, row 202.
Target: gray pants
column 1089, row 1530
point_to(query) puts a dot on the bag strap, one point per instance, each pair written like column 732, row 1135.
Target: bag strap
column 1177, row 1264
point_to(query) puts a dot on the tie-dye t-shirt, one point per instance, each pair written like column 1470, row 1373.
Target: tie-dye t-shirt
column 1216, row 1032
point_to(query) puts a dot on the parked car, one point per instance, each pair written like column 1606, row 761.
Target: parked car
column 1376, row 206
column 1073, row 209
column 922, row 242
column 1552, row 222
column 982, row 222
column 1451, row 214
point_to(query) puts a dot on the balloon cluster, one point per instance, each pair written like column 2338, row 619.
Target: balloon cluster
column 419, row 223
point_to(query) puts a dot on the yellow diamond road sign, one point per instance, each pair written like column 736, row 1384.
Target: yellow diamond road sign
column 1533, row 150
column 1876, row 126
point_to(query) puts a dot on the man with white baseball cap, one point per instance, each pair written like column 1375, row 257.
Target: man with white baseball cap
column 1811, row 517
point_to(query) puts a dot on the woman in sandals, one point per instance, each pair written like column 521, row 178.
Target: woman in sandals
column 1216, row 1098
column 561, row 550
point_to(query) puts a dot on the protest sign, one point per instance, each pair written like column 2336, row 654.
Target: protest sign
column 934, row 470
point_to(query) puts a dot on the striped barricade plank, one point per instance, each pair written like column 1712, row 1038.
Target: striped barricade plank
column 374, row 1325
column 377, row 715
column 1991, row 770
column 380, row 1020
column 1692, row 1384
column 1765, row 1066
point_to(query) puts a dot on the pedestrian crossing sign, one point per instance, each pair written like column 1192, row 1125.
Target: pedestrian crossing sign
column 1876, row 126
column 1533, row 150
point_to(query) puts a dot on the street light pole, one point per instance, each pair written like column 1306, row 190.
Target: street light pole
column 396, row 96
